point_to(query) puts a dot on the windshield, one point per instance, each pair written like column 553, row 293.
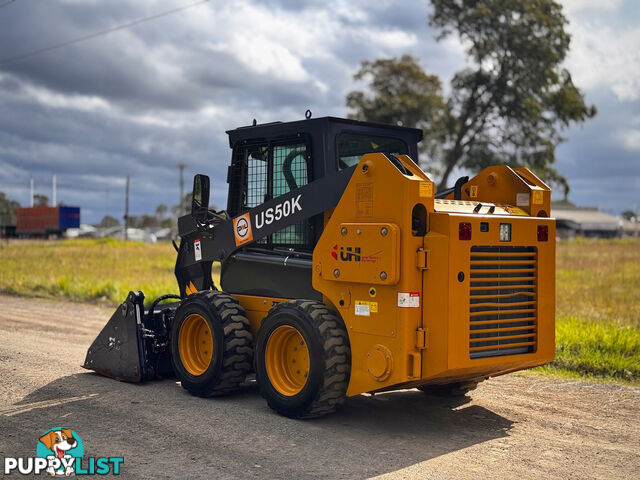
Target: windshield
column 352, row 146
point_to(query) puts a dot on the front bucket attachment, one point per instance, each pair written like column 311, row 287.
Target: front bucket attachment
column 120, row 350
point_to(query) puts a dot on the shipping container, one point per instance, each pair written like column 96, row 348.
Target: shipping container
column 44, row 221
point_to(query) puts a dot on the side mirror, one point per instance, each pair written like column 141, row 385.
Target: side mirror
column 200, row 197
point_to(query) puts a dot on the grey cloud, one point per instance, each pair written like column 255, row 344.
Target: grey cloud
column 152, row 120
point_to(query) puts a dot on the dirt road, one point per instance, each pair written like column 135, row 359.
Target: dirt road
column 513, row 427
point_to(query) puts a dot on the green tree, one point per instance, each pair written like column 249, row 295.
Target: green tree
column 7, row 207
column 180, row 210
column 629, row 215
column 514, row 99
column 168, row 223
column 40, row 200
column 402, row 93
column 108, row 221
column 161, row 211
column 7, row 210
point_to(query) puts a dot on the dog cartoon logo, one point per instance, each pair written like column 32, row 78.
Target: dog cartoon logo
column 62, row 444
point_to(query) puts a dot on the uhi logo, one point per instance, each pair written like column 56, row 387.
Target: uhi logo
column 353, row 254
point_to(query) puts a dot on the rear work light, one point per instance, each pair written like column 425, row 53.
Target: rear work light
column 543, row 233
column 464, row 231
column 505, row 232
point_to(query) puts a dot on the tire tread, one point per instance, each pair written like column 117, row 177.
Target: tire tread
column 335, row 343
column 238, row 344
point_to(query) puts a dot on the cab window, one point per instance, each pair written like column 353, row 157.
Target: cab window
column 352, row 146
column 272, row 170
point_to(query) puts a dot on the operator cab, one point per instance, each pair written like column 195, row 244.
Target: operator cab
column 272, row 159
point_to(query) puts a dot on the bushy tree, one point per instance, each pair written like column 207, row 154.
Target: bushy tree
column 179, row 210
column 402, row 93
column 514, row 99
column 161, row 211
column 108, row 221
column 40, row 200
column 7, row 206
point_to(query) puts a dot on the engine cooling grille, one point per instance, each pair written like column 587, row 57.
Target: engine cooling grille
column 502, row 301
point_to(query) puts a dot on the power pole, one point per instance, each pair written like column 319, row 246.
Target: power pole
column 181, row 167
column 53, row 202
column 31, row 191
column 126, row 210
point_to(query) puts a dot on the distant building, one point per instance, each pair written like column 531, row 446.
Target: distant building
column 7, row 225
column 630, row 229
column 586, row 222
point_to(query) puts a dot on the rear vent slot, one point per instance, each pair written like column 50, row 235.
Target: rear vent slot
column 502, row 301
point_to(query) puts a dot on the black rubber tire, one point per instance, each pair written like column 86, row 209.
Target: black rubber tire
column 329, row 358
column 457, row 389
column 233, row 344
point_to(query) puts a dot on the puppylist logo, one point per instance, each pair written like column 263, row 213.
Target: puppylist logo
column 60, row 451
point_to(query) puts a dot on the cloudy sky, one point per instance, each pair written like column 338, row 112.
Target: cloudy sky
column 140, row 100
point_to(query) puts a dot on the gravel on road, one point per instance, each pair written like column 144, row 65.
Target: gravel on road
column 516, row 426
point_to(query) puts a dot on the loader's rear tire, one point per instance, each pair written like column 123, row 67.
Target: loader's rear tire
column 211, row 344
column 303, row 359
column 457, row 389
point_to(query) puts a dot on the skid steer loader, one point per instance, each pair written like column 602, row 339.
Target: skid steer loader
column 342, row 271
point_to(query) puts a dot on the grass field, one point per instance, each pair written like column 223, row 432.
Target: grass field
column 598, row 292
column 598, row 309
column 103, row 270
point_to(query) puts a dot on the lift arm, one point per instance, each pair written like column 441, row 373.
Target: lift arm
column 203, row 243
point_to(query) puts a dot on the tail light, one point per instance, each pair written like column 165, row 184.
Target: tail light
column 464, row 231
column 543, row 233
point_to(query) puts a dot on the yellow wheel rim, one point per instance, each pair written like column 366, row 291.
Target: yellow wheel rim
column 287, row 360
column 195, row 344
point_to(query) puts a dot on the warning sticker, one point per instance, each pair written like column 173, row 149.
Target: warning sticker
column 408, row 299
column 364, row 200
column 363, row 310
column 426, row 189
column 473, row 192
column 366, row 308
column 536, row 198
column 522, row 200
column 197, row 250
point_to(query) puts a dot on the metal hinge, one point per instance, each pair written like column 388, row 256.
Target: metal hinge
column 421, row 339
column 422, row 259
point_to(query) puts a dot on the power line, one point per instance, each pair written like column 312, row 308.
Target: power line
column 5, row 61
column 6, row 3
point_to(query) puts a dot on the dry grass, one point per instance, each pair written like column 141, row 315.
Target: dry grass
column 102, row 270
column 598, row 309
column 599, row 280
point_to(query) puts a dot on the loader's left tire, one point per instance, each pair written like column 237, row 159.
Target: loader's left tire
column 303, row 359
column 211, row 344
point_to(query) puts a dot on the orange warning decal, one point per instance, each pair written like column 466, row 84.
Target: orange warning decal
column 537, row 198
column 242, row 229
